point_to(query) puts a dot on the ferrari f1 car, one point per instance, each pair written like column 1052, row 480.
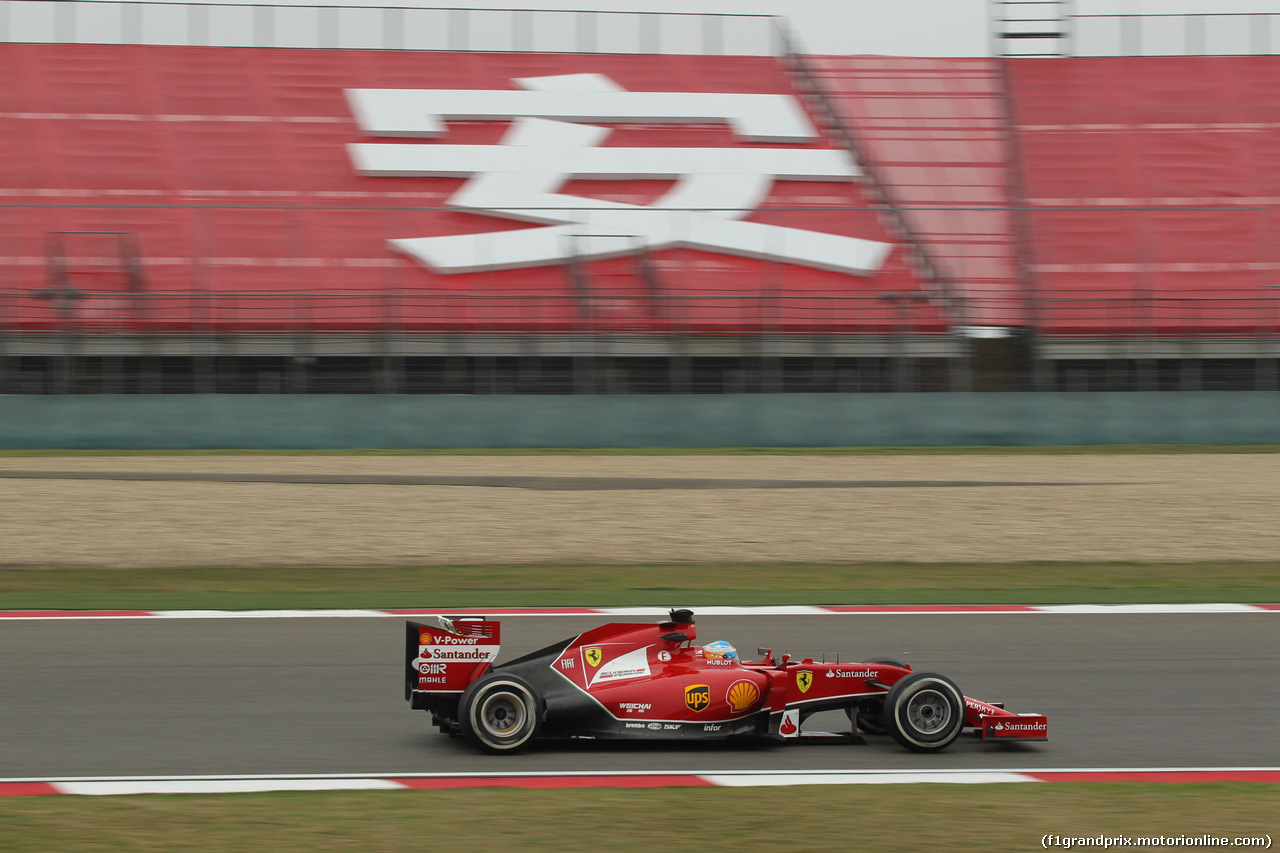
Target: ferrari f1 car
column 627, row 680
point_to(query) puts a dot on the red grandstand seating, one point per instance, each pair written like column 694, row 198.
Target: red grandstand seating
column 230, row 166
column 932, row 128
column 1154, row 192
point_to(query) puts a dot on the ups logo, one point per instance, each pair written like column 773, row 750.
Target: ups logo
column 697, row 697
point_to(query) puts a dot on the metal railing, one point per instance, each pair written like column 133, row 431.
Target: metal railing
column 1203, row 34
column 386, row 28
column 547, row 343
column 193, row 313
column 1037, row 28
column 34, row 313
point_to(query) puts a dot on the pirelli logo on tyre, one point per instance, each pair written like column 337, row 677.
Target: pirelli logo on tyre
column 697, row 697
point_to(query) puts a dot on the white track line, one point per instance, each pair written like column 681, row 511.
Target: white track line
column 655, row 611
column 977, row 777
column 269, row 614
column 224, row 786
column 586, row 774
column 103, row 786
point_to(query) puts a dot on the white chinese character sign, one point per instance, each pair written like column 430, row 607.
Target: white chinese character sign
column 557, row 129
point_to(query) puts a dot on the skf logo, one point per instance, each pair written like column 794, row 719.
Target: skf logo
column 742, row 695
column 804, row 680
column 556, row 135
column 697, row 697
column 592, row 656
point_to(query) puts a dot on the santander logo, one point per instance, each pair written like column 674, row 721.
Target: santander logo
column 558, row 125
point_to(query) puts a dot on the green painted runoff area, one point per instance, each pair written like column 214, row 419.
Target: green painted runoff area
column 344, row 421
column 886, row 819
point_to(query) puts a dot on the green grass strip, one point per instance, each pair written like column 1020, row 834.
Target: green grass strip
column 885, row 819
column 656, row 584
column 991, row 450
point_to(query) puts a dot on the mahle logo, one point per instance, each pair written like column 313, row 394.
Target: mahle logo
column 804, row 680
column 557, row 130
column 697, row 697
column 592, row 656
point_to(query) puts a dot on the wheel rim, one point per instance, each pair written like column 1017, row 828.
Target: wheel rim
column 502, row 714
column 929, row 712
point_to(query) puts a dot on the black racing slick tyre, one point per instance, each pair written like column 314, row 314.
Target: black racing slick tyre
column 869, row 717
column 500, row 713
column 924, row 712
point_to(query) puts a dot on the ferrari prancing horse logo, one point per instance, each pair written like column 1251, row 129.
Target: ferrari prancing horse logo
column 697, row 697
column 593, row 656
column 804, row 680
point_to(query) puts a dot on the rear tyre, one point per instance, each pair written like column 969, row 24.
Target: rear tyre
column 924, row 712
column 500, row 713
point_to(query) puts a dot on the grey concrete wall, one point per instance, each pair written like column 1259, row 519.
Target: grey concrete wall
column 731, row 420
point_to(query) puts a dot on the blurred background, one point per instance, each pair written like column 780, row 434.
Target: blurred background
column 1069, row 196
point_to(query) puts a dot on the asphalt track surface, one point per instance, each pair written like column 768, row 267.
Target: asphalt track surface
column 535, row 483
column 143, row 697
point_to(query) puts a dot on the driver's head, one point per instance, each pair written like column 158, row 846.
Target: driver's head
column 719, row 650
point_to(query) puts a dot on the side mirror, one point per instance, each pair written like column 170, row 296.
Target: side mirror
column 674, row 637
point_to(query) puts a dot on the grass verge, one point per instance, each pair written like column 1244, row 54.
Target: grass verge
column 694, row 585
column 988, row 450
column 885, row 819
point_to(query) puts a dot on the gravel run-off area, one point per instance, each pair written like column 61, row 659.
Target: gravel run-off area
column 1178, row 507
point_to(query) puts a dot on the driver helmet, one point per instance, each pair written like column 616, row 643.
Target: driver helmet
column 719, row 650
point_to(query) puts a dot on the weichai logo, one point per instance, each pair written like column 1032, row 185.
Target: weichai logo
column 697, row 697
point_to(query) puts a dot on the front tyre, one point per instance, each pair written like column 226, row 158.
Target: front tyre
column 500, row 713
column 924, row 712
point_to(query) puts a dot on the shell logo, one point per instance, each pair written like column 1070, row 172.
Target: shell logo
column 742, row 695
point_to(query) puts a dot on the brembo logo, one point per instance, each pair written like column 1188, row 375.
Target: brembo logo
column 556, row 131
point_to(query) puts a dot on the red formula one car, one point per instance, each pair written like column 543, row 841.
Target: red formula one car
column 627, row 680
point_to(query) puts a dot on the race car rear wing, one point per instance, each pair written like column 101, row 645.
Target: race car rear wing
column 449, row 655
